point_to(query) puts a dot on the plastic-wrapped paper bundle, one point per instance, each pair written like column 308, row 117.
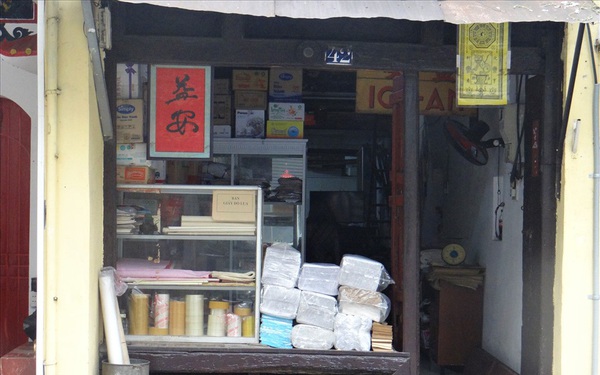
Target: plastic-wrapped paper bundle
column 275, row 332
column 306, row 336
column 281, row 265
column 361, row 302
column 317, row 309
column 352, row 332
column 280, row 301
column 320, row 278
column 363, row 273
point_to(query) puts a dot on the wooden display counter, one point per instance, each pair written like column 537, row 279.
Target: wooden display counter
column 244, row 359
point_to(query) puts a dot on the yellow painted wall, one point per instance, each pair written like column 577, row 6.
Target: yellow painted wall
column 74, row 203
column 573, row 282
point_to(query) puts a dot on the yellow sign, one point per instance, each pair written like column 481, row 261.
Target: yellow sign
column 483, row 64
column 437, row 93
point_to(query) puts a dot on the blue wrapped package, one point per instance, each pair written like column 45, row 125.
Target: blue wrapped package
column 275, row 332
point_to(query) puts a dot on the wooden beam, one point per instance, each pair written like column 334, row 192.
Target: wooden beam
column 296, row 53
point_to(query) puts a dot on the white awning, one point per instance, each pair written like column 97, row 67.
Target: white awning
column 451, row 11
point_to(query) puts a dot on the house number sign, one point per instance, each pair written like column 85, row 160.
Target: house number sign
column 339, row 56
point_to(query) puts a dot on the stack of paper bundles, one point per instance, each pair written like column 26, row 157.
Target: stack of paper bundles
column 281, row 266
column 305, row 336
column 352, row 332
column 279, row 301
column 276, row 332
column 320, row 278
column 317, row 309
column 363, row 273
column 361, row 302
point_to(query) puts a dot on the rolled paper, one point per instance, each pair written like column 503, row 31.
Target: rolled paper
column 194, row 315
column 139, row 308
column 176, row 318
column 234, row 325
column 161, row 311
column 113, row 328
column 216, row 325
column 242, row 310
column 248, row 326
column 154, row 331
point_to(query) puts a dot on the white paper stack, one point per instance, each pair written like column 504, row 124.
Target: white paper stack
column 317, row 309
column 280, row 301
column 319, row 278
column 352, row 332
column 281, row 265
column 305, row 336
column 361, row 302
column 363, row 273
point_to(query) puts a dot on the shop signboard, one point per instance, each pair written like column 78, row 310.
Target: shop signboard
column 437, row 93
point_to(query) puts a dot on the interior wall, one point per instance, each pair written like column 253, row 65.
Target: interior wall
column 459, row 207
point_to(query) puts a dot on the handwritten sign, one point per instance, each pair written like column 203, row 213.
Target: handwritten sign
column 180, row 111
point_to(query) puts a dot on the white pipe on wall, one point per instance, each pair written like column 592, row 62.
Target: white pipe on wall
column 37, row 229
column 51, row 299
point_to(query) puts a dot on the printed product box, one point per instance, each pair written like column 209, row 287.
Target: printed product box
column 221, row 110
column 246, row 79
column 286, row 111
column 132, row 154
column 160, row 171
column 221, row 131
column 285, row 129
column 222, row 86
column 250, row 99
column 285, row 85
column 130, row 121
column 249, row 123
column 134, row 174
column 129, row 81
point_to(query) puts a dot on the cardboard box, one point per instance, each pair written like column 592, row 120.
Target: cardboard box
column 222, row 86
column 286, row 111
column 132, row 154
column 249, row 123
column 250, row 99
column 160, row 171
column 134, row 174
column 129, row 81
column 285, row 85
column 221, row 131
column 285, row 129
column 246, row 79
column 221, row 110
column 130, row 121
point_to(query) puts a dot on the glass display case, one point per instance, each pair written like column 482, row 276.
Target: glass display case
column 279, row 167
column 191, row 259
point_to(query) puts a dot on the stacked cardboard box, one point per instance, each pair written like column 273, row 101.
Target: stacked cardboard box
column 285, row 109
column 250, row 101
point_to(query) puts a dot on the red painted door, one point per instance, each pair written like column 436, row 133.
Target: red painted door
column 15, row 135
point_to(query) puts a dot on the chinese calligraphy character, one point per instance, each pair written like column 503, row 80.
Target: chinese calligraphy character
column 182, row 92
column 181, row 121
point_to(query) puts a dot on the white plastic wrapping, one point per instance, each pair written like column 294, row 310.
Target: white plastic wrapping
column 319, row 277
column 361, row 302
column 281, row 265
column 317, row 309
column 279, row 301
column 361, row 272
column 352, row 332
column 305, row 336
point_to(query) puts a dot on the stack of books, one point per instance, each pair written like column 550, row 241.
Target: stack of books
column 381, row 337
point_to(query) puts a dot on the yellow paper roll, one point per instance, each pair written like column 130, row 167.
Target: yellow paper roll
column 248, row 326
column 176, row 318
column 155, row 331
column 139, row 307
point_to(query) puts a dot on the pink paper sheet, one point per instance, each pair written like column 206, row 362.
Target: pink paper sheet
column 128, row 268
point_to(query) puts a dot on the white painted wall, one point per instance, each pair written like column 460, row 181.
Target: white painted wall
column 468, row 195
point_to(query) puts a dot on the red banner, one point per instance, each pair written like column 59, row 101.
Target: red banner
column 180, row 110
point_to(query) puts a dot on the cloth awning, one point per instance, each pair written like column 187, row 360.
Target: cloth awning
column 451, row 11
